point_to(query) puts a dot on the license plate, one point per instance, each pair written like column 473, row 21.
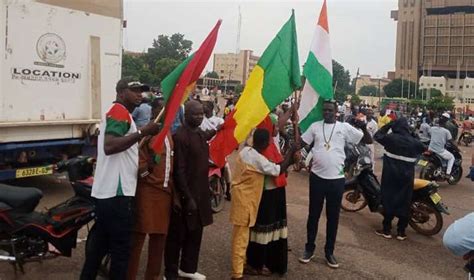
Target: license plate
column 35, row 171
column 436, row 198
column 422, row 162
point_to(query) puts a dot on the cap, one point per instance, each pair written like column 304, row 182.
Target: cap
column 446, row 115
column 131, row 83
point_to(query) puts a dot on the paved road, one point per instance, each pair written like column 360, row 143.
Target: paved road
column 361, row 253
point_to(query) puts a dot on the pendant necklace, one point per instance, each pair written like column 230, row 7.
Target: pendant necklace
column 327, row 144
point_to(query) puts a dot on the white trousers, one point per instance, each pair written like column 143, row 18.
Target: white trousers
column 446, row 155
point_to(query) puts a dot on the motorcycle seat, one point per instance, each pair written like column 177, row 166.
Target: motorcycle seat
column 22, row 200
column 420, row 183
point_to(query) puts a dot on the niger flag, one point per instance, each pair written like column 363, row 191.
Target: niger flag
column 274, row 78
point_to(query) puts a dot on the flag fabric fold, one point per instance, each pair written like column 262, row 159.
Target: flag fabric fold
column 318, row 73
column 177, row 85
column 274, row 78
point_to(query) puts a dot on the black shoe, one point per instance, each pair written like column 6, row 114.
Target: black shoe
column 307, row 257
column 401, row 236
column 385, row 233
column 331, row 261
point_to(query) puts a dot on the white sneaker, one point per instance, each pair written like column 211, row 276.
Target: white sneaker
column 195, row 275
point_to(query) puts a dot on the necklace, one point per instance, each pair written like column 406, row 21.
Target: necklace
column 327, row 144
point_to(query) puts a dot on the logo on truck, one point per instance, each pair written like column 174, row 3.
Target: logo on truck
column 51, row 49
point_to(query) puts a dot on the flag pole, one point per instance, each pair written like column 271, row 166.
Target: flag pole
column 157, row 119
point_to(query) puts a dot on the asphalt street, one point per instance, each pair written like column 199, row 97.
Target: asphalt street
column 361, row 253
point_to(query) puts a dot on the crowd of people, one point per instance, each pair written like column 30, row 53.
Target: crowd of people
column 165, row 195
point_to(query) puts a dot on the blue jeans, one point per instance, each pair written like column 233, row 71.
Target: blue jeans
column 319, row 190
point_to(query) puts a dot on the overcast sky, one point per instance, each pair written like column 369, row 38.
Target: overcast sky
column 362, row 32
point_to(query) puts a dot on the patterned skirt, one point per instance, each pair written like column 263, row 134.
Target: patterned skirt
column 268, row 244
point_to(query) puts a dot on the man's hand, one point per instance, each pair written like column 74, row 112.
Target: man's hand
column 294, row 117
column 151, row 128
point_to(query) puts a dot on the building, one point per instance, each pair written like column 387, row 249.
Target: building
column 235, row 67
column 367, row 80
column 434, row 38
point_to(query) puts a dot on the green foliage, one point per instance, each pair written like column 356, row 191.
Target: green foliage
column 342, row 78
column 441, row 103
column 212, row 75
column 394, row 89
column 164, row 66
column 238, row 89
column 166, row 53
column 368, row 91
column 356, row 100
column 433, row 93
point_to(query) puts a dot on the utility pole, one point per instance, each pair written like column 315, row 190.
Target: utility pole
column 380, row 93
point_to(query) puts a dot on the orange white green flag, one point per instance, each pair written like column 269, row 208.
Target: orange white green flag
column 318, row 73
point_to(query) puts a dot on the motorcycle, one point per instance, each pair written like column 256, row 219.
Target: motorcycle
column 363, row 189
column 433, row 167
column 219, row 186
column 466, row 138
column 469, row 267
column 27, row 235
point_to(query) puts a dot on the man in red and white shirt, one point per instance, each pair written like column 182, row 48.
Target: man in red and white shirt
column 115, row 181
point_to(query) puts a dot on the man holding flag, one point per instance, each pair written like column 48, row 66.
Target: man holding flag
column 328, row 138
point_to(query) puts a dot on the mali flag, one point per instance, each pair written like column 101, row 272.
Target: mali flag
column 177, row 85
column 274, row 78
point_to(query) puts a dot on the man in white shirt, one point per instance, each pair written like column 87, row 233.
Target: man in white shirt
column 115, row 181
column 372, row 128
column 210, row 121
column 327, row 176
column 439, row 137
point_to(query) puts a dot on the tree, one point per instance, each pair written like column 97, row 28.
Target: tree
column 238, row 89
column 394, row 89
column 368, row 91
column 166, row 53
column 164, row 66
column 432, row 93
column 174, row 47
column 212, row 75
column 441, row 103
column 341, row 77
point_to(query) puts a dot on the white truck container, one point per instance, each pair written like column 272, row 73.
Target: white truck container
column 59, row 63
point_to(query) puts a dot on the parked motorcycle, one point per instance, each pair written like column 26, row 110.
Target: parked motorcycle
column 433, row 167
column 219, row 186
column 27, row 235
column 469, row 267
column 466, row 138
column 363, row 188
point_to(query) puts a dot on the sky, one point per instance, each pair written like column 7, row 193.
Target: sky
column 362, row 33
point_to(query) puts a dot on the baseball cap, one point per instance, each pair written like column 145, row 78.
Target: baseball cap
column 446, row 115
column 131, row 83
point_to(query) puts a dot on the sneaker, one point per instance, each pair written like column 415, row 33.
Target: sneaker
column 385, row 234
column 401, row 236
column 195, row 275
column 307, row 257
column 331, row 261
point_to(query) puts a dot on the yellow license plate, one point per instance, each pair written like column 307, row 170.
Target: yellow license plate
column 35, row 171
column 422, row 162
column 436, row 198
